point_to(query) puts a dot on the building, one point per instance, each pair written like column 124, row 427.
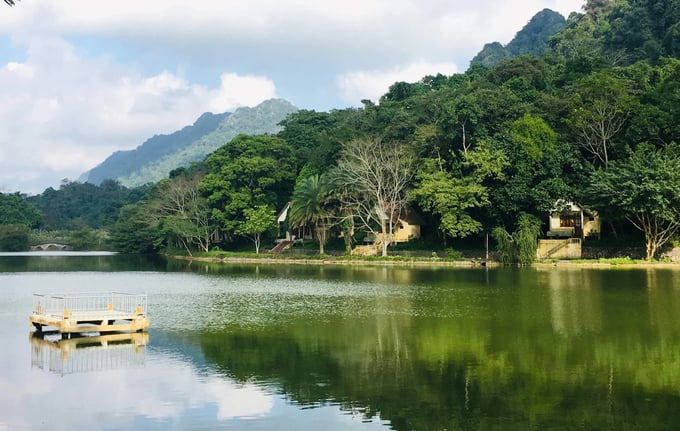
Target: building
column 568, row 225
column 572, row 221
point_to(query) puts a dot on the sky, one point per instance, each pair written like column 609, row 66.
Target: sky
column 81, row 79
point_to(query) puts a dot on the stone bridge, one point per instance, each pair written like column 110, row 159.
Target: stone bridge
column 51, row 246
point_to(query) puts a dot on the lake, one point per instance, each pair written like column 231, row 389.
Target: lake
column 293, row 347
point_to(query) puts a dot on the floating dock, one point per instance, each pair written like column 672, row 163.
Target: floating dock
column 101, row 312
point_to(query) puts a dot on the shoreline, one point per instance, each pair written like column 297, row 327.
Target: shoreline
column 332, row 261
column 425, row 263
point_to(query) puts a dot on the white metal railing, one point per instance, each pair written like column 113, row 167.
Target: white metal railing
column 77, row 302
column 60, row 359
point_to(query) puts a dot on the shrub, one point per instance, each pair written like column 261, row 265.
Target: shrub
column 13, row 237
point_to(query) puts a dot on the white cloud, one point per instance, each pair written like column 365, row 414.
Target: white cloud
column 165, row 399
column 64, row 113
column 238, row 90
column 352, row 32
column 355, row 86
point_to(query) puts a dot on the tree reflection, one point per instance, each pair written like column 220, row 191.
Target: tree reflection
column 550, row 354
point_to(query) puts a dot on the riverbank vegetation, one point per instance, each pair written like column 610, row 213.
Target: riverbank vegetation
column 490, row 151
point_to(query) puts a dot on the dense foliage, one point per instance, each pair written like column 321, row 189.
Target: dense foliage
column 14, row 209
column 13, row 237
column 79, row 205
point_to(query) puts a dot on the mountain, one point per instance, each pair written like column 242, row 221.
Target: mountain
column 124, row 163
column 532, row 39
column 157, row 156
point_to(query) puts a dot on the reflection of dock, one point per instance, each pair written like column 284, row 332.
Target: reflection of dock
column 88, row 353
column 77, row 313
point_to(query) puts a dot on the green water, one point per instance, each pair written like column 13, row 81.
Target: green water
column 344, row 348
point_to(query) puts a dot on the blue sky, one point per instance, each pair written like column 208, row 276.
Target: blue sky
column 81, row 79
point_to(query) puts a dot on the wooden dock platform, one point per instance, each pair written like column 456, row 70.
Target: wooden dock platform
column 100, row 312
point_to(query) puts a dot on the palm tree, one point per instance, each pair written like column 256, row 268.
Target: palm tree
column 11, row 2
column 312, row 207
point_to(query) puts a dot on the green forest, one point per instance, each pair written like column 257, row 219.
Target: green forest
column 594, row 119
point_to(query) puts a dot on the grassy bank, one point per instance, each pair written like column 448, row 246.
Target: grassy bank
column 395, row 260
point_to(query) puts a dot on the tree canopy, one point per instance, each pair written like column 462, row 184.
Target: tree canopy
column 645, row 189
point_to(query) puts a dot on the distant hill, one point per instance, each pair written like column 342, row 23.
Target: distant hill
column 532, row 39
column 157, row 156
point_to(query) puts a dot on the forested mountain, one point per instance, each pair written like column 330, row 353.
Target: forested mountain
column 124, row 163
column 533, row 39
column 159, row 155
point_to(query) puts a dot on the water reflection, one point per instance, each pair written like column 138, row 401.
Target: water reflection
column 556, row 350
column 78, row 261
column 272, row 347
column 575, row 304
column 88, row 353
column 663, row 293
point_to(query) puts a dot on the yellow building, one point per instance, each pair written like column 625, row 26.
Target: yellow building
column 572, row 221
column 407, row 227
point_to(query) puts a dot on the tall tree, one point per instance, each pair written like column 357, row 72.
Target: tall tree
column 602, row 104
column 374, row 176
column 645, row 189
column 312, row 205
column 462, row 116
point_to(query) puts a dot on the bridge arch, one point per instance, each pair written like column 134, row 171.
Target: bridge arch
column 51, row 246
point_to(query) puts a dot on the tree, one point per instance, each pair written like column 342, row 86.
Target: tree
column 14, row 209
column 520, row 246
column 133, row 232
column 13, row 237
column 183, row 213
column 602, row 104
column 452, row 197
column 374, row 177
column 312, row 205
column 78, row 205
column 645, row 189
column 536, row 172
column 463, row 115
column 244, row 173
column 257, row 221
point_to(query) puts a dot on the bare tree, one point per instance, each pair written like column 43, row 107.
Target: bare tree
column 603, row 105
column 183, row 213
column 374, row 177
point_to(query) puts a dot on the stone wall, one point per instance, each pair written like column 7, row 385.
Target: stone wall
column 559, row 249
